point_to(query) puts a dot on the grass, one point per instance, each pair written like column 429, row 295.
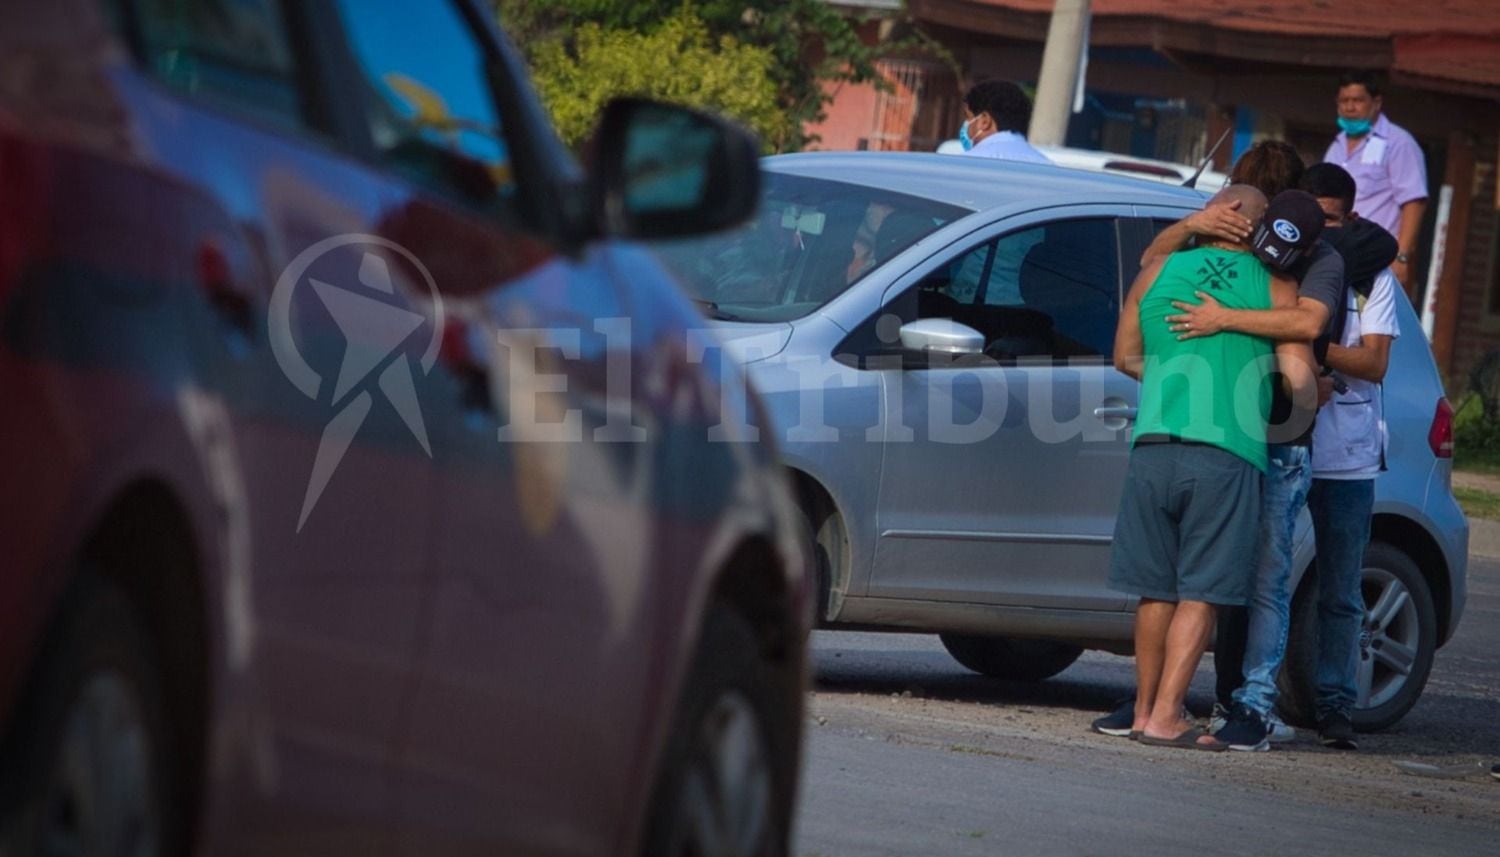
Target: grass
column 1477, row 503
column 1477, row 446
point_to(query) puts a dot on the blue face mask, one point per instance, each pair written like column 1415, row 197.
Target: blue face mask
column 1354, row 127
column 963, row 136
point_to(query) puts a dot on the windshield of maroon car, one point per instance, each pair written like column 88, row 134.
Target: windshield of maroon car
column 812, row 240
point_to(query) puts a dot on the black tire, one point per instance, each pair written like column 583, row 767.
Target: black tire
column 94, row 685
column 817, row 542
column 1016, row 660
column 732, row 691
column 1394, row 694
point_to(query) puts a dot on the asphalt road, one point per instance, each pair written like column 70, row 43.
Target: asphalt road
column 910, row 754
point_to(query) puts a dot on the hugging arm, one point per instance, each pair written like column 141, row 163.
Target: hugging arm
column 1130, row 344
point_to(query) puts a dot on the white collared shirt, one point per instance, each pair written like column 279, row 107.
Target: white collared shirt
column 1009, row 146
column 1349, row 437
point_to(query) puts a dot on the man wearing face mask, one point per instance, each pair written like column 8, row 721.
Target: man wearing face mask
column 996, row 114
column 1386, row 163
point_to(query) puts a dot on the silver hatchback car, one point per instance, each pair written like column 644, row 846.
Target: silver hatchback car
column 932, row 335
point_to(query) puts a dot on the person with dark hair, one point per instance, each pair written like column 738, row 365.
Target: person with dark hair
column 1272, row 166
column 996, row 114
column 1348, row 446
column 1331, row 185
column 1386, row 163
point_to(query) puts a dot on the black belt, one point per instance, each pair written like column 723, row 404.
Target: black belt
column 1163, row 437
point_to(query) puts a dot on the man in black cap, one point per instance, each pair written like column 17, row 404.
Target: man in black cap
column 1293, row 215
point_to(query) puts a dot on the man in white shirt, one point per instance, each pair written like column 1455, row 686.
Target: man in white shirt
column 1348, row 453
column 996, row 115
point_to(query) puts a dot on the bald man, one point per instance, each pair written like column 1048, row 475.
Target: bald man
column 1185, row 536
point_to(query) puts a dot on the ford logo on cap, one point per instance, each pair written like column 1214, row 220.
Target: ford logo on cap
column 1287, row 230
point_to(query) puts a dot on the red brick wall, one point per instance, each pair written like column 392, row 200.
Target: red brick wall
column 849, row 117
column 1478, row 329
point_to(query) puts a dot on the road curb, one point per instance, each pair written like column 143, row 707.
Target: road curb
column 1484, row 538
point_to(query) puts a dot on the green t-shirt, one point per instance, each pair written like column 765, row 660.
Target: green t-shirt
column 1214, row 389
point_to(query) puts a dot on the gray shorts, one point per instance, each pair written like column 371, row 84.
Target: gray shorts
column 1188, row 525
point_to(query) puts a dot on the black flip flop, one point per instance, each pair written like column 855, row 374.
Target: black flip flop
column 1187, row 740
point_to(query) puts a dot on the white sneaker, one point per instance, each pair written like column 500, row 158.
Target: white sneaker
column 1217, row 720
column 1280, row 732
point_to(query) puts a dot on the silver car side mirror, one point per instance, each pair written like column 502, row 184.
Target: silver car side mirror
column 941, row 335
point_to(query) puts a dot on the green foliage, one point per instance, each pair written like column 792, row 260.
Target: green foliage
column 1476, row 437
column 811, row 44
column 676, row 61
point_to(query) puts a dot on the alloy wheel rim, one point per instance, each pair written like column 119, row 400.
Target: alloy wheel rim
column 101, row 802
column 1390, row 639
column 726, row 800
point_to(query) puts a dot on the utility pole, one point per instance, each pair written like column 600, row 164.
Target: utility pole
column 1067, row 44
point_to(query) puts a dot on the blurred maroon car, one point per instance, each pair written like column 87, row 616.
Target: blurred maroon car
column 362, row 492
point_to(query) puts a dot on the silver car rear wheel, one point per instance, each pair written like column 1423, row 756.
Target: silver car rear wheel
column 1390, row 639
column 1397, row 641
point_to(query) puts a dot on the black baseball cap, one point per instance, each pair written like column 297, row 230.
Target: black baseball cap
column 1292, row 224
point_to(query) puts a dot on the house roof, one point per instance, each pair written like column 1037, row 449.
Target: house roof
column 1375, row 18
column 1451, row 44
column 1468, row 59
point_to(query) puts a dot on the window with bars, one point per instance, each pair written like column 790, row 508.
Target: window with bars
column 920, row 109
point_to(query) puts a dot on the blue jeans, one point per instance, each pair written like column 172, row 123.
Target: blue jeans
column 1288, row 478
column 1341, row 522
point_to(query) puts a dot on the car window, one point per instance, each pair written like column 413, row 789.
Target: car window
column 1047, row 291
column 233, row 52
column 814, row 239
column 431, row 112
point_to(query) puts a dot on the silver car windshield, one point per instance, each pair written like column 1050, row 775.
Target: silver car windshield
column 812, row 240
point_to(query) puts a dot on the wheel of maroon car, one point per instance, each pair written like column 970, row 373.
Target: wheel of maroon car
column 729, row 772
column 85, row 768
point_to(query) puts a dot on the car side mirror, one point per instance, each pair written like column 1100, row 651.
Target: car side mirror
column 662, row 171
column 941, row 336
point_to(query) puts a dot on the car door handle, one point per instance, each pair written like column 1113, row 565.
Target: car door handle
column 458, row 357
column 217, row 281
column 1115, row 413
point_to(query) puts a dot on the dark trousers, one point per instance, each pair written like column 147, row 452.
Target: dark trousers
column 1229, row 653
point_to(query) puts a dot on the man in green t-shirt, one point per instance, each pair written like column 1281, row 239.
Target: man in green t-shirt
column 1185, row 537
